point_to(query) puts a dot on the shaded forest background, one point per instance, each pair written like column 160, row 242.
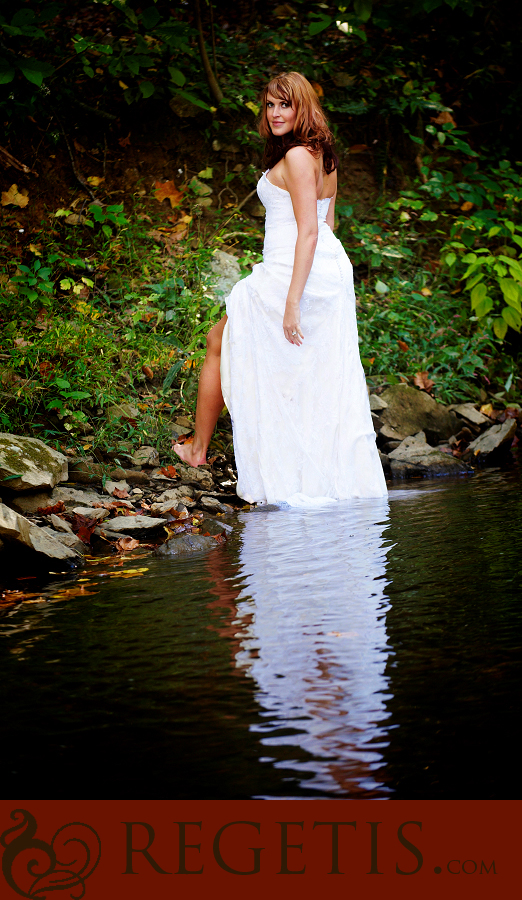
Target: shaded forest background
column 129, row 156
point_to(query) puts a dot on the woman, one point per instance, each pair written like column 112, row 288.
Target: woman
column 286, row 354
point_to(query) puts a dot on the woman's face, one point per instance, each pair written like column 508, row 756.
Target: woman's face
column 280, row 114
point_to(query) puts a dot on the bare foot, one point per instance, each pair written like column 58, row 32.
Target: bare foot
column 190, row 454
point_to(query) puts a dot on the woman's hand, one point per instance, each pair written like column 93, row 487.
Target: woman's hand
column 291, row 324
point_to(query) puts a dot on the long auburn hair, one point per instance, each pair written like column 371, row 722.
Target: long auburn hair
column 310, row 129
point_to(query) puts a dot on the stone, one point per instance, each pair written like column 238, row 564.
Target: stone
column 163, row 509
column 72, row 497
column 177, row 431
column 183, row 108
column 69, row 540
column 29, row 464
column 200, row 188
column 130, row 524
column 184, row 544
column 493, row 439
column 415, row 456
column 410, row 411
column 123, row 411
column 146, row 456
column 214, row 505
column 470, row 413
column 190, row 475
column 227, row 269
column 60, row 524
column 377, row 403
column 87, row 472
column 91, row 513
column 111, row 486
column 43, row 541
column 256, row 209
column 385, row 462
column 176, row 495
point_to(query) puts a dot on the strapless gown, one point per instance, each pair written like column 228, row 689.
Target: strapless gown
column 302, row 426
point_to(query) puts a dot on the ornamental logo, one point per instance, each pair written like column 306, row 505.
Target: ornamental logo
column 36, row 869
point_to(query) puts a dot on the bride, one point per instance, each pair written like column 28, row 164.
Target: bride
column 285, row 358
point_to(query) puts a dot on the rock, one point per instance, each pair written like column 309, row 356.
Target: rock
column 146, row 456
column 226, row 268
column 470, row 413
column 256, row 209
column 493, row 439
column 72, row 541
column 43, row 541
column 201, row 477
column 377, row 422
column 183, row 108
column 176, row 495
column 60, row 524
column 410, row 411
column 28, row 464
column 163, row 509
column 214, row 505
column 385, row 462
column 111, row 486
column 87, row 472
column 184, row 544
column 377, row 403
column 200, row 188
column 70, row 497
column 132, row 524
column 415, row 457
column 123, row 411
column 91, row 513
column 177, row 431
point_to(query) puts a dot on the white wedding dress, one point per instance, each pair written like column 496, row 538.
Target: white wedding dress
column 303, row 432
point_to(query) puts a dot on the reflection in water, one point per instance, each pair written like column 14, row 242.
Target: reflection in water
column 313, row 637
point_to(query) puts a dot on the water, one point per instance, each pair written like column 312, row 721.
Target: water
column 366, row 651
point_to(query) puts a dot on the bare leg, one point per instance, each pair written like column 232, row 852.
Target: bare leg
column 210, row 401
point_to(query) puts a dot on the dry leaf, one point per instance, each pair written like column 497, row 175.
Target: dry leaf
column 36, row 249
column 403, row 346
column 444, row 118
column 75, row 219
column 120, row 493
column 147, row 371
column 422, row 381
column 467, row 206
column 487, row 410
column 127, row 543
column 358, row 148
column 14, row 197
column 425, row 292
column 50, row 510
column 167, row 190
column 20, row 342
column 94, row 180
column 169, row 472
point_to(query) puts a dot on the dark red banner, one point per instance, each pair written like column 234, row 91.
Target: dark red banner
column 156, row 849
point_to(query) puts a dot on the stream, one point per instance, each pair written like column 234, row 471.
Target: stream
column 369, row 650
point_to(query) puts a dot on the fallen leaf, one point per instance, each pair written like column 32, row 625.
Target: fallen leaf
column 169, row 472
column 45, row 369
column 358, row 148
column 167, row 190
column 36, row 249
column 444, row 118
column 75, row 219
column 487, row 409
column 422, row 381
column 94, row 180
column 425, row 292
column 125, row 141
column 51, row 510
column 466, row 206
column 21, row 342
column 206, row 173
column 147, row 371
column 124, row 87
column 120, row 493
column 72, row 592
column 14, row 197
column 403, row 346
column 127, row 543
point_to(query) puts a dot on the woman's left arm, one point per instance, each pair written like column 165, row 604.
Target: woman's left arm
column 300, row 179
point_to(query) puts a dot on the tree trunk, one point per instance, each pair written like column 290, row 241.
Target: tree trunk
column 213, row 85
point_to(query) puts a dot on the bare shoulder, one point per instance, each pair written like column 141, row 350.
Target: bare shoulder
column 300, row 160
